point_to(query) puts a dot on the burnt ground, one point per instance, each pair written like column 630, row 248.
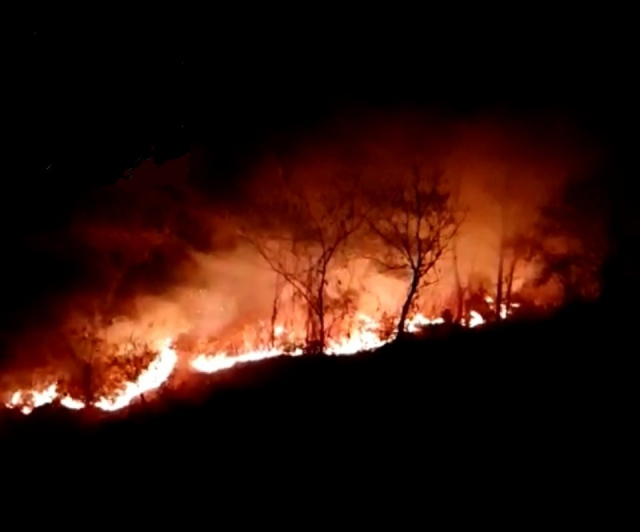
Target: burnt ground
column 523, row 412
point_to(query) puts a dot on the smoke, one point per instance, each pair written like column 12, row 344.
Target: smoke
column 500, row 168
column 158, row 255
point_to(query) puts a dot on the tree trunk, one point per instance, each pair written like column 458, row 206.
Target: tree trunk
column 503, row 220
column 321, row 331
column 500, row 282
column 456, row 268
column 459, row 289
column 315, row 317
column 512, row 269
column 274, row 312
column 407, row 304
column 310, row 326
column 87, row 381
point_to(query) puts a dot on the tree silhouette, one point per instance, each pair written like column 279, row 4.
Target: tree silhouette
column 415, row 224
column 516, row 249
column 572, row 242
column 300, row 231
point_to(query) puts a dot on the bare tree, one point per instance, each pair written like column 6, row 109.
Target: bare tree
column 460, row 289
column 300, row 233
column 341, row 305
column 275, row 308
column 415, row 223
column 502, row 246
column 516, row 249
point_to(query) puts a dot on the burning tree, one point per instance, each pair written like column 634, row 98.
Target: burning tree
column 301, row 232
column 415, row 222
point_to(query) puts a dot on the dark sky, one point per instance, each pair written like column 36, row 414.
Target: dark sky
column 89, row 102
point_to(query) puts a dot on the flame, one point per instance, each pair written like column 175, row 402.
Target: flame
column 71, row 403
column 32, row 399
column 152, row 378
column 504, row 312
column 475, row 319
column 421, row 321
column 365, row 335
column 221, row 361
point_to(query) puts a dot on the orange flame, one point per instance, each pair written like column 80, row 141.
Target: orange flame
column 156, row 374
column 150, row 379
column 366, row 335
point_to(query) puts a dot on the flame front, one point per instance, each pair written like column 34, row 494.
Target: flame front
column 152, row 378
column 365, row 335
column 28, row 401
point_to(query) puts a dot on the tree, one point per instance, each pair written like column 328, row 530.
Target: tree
column 275, row 309
column 516, row 249
column 460, row 289
column 502, row 199
column 99, row 367
column 514, row 245
column 415, row 224
column 300, row 231
column 572, row 242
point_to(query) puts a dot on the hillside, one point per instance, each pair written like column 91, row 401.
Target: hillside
column 520, row 399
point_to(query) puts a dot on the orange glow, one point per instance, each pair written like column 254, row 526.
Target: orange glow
column 152, row 378
column 365, row 336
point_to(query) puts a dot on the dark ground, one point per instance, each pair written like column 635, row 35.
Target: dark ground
column 520, row 413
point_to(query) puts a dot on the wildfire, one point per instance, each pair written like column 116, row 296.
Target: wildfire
column 504, row 311
column 28, row 401
column 221, row 361
column 365, row 335
column 156, row 374
column 150, row 379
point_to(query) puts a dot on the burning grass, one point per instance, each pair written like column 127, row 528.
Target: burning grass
column 121, row 380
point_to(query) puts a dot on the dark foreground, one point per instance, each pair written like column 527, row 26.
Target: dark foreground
column 517, row 413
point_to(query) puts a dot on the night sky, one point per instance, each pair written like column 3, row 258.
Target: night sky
column 105, row 98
